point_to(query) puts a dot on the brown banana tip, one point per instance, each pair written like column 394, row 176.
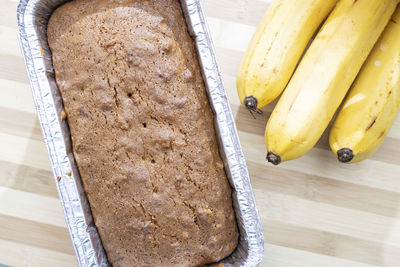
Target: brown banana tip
column 345, row 155
column 250, row 102
column 273, row 158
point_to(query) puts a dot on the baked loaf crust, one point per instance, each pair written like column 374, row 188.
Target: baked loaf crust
column 142, row 132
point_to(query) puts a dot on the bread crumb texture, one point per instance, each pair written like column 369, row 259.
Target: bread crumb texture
column 142, row 132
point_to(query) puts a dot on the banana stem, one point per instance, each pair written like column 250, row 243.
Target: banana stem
column 251, row 103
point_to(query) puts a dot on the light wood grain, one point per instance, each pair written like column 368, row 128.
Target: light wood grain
column 314, row 211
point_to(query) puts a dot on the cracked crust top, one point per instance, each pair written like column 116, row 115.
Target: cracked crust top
column 142, row 132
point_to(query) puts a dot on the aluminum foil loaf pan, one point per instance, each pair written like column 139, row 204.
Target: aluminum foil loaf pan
column 33, row 16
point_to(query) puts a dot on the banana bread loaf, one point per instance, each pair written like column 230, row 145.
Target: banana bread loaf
column 142, row 132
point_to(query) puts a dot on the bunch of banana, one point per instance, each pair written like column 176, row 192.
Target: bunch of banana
column 324, row 76
column 373, row 102
column 276, row 47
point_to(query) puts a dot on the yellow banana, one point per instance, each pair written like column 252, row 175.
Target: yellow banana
column 373, row 102
column 276, row 47
column 324, row 76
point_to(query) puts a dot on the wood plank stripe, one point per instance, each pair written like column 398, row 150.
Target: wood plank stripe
column 9, row 46
column 225, row 34
column 8, row 13
column 336, row 245
column 35, row 234
column 329, row 218
column 319, row 189
column 29, row 206
column 27, row 179
column 24, row 151
column 229, row 60
column 16, row 254
column 243, row 11
column 278, row 256
column 231, row 92
column 20, row 123
column 17, row 96
column 13, row 68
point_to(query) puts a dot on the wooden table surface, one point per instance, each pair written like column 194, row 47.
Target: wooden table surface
column 314, row 211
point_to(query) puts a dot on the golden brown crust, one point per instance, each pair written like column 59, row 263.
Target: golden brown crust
column 142, row 132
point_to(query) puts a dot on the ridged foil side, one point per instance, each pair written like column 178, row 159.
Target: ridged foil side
column 33, row 16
